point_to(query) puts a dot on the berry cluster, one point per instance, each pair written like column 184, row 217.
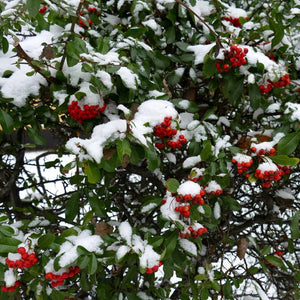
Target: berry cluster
column 234, row 58
column 282, row 82
column 91, row 10
column 42, row 10
column 213, row 188
column 21, row 260
column 11, row 288
column 243, row 162
column 88, row 112
column 58, row 279
column 268, row 172
column 261, row 151
column 193, row 231
column 234, row 21
column 153, row 269
column 184, row 210
column 165, row 131
column 197, row 199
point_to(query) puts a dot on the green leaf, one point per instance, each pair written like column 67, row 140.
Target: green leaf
column 6, row 121
column 209, row 66
column 123, row 147
column 5, row 45
column 150, row 204
column 227, row 290
column 288, row 143
column 152, row 157
column 235, row 89
column 98, row 206
column 255, row 96
column 295, row 231
column 46, row 240
column 35, row 136
column 278, row 31
column 206, row 152
column 72, row 207
column 93, row 264
column 6, row 230
column 92, row 171
column 172, row 185
column 170, row 243
column 135, row 32
column 276, row 261
column 79, row 95
column 83, row 261
column 170, row 34
column 9, row 245
column 284, row 160
column 33, row 7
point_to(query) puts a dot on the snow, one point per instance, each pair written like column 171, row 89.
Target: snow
column 200, row 51
column 149, row 257
column 122, row 251
column 267, row 166
column 184, row 104
column 294, row 109
column 223, row 120
column 285, row 193
column 217, row 211
column 189, row 187
column 68, row 250
column 153, row 25
column 212, row 186
column 10, row 277
column 168, row 209
column 14, row 256
column 202, row 8
column 148, row 207
column 188, row 246
column 191, row 161
column 105, row 78
column 272, row 108
column 125, row 231
column 239, row 157
column 221, row 143
column 129, row 78
column 101, row 136
column 261, row 293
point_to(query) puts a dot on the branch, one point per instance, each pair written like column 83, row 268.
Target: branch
column 218, row 41
column 22, row 54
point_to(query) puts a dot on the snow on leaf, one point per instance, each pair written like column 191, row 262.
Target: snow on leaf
column 188, row 246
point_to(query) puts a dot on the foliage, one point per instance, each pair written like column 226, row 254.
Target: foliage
column 149, row 149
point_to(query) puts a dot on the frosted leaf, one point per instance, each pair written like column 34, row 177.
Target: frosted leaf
column 125, row 231
column 188, row 246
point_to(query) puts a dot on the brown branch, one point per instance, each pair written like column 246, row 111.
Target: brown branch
column 22, row 54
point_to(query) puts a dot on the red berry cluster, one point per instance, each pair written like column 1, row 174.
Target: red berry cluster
column 88, row 112
column 284, row 169
column 59, row 279
column 235, row 58
column 165, row 131
column 260, row 152
column 93, row 10
column 153, row 269
column 82, row 24
column 234, row 21
column 282, row 82
column 184, row 208
column 268, row 176
column 194, row 233
column 26, row 260
column 42, row 10
column 242, row 166
column 11, row 288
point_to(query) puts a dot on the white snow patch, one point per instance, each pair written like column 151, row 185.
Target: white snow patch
column 125, row 231
column 188, row 246
column 189, row 187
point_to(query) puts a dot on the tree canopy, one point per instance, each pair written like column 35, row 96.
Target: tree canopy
column 149, row 149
